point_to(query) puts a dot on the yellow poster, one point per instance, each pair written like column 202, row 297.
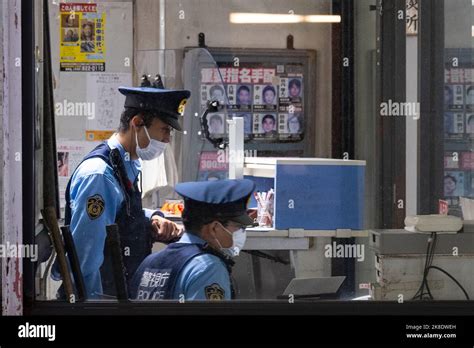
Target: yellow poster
column 82, row 39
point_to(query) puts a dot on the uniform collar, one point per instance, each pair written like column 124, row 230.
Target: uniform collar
column 113, row 143
column 191, row 238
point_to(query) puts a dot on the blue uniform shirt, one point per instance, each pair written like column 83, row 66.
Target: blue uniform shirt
column 95, row 179
column 201, row 274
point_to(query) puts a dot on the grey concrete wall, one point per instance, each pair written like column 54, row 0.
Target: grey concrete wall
column 71, row 86
column 458, row 20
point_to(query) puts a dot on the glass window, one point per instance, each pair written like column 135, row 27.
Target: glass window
column 340, row 112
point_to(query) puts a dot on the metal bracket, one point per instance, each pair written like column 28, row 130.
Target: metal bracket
column 290, row 42
column 202, row 40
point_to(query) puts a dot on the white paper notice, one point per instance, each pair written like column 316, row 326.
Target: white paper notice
column 70, row 155
column 102, row 91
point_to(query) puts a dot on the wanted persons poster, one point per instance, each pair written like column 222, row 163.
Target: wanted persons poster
column 269, row 97
column 82, row 40
column 458, row 105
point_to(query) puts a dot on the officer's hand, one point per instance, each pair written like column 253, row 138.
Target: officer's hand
column 164, row 230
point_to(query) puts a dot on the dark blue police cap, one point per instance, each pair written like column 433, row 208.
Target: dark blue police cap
column 220, row 199
column 166, row 104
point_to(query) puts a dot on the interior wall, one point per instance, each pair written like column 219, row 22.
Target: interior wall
column 185, row 19
column 458, row 22
column 72, row 86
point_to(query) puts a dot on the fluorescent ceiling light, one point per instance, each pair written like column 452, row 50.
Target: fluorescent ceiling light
column 242, row 18
column 272, row 18
column 323, row 19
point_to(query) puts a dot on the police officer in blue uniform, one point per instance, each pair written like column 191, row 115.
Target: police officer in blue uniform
column 103, row 189
column 198, row 266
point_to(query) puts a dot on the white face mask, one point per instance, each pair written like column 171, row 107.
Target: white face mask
column 154, row 149
column 238, row 241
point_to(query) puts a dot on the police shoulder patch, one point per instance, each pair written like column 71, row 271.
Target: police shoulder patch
column 214, row 292
column 95, row 206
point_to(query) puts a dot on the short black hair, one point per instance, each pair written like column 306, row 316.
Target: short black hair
column 469, row 89
column 448, row 176
column 268, row 116
column 215, row 88
column 241, row 88
column 470, row 118
column 129, row 113
column 194, row 223
column 215, row 117
column 269, row 88
column 295, row 82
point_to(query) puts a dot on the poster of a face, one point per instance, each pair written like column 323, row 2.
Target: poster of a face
column 470, row 97
column 216, row 124
column 453, row 183
column 294, row 124
column 470, row 123
column 294, row 88
column 244, row 95
column 70, row 20
column 70, row 35
column 265, row 124
column 265, row 95
column 216, row 92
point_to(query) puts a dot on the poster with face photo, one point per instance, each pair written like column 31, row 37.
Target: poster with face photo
column 216, row 124
column 469, row 97
column 240, row 97
column 216, row 92
column 265, row 97
column 243, row 98
column 290, row 126
column 470, row 124
column 291, row 94
column 265, row 126
column 453, row 183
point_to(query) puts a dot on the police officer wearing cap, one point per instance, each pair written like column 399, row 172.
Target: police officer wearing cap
column 103, row 189
column 198, row 266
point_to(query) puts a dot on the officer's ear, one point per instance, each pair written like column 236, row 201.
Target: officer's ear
column 137, row 121
column 214, row 227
